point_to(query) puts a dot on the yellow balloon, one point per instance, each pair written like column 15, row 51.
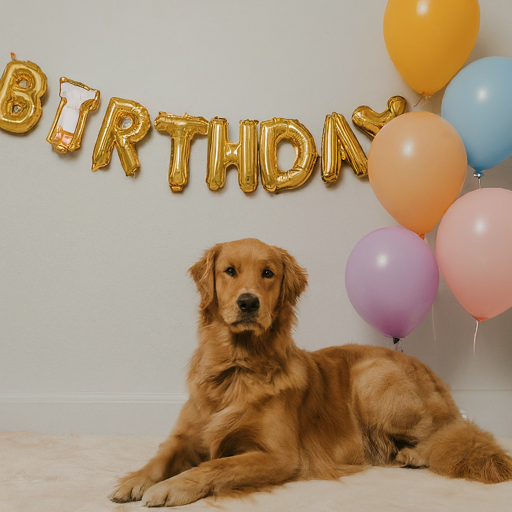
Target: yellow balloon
column 429, row 40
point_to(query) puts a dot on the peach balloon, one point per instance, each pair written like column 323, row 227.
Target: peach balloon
column 429, row 40
column 417, row 165
column 474, row 251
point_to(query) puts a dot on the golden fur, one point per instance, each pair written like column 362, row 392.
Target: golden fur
column 263, row 412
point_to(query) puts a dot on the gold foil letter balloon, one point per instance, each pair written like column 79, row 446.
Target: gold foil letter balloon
column 222, row 154
column 125, row 123
column 21, row 87
column 370, row 122
column 77, row 100
column 182, row 130
column 274, row 131
column 339, row 143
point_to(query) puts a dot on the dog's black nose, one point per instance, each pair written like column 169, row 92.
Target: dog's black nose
column 247, row 302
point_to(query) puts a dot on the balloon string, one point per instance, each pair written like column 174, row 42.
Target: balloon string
column 398, row 345
column 479, row 182
column 434, row 326
column 424, row 101
column 474, row 339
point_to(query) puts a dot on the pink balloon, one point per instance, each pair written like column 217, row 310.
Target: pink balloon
column 391, row 280
column 474, row 251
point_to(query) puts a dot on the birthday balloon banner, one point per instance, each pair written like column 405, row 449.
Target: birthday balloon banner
column 126, row 122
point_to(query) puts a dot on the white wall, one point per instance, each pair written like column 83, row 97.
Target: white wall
column 98, row 315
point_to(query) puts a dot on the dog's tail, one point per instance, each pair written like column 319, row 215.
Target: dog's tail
column 463, row 450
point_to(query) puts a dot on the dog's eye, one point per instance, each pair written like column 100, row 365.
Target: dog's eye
column 230, row 271
column 267, row 273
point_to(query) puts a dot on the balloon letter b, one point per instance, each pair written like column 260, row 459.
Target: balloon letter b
column 21, row 87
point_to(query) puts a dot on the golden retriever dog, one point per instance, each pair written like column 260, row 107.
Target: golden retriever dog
column 263, row 412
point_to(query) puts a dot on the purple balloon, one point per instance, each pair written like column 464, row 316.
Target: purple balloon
column 392, row 279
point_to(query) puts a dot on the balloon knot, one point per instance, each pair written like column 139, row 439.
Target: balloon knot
column 13, row 56
column 398, row 345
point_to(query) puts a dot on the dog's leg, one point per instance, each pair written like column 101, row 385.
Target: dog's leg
column 180, row 452
column 220, row 476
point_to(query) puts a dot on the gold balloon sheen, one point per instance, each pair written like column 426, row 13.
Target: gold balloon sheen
column 222, row 153
column 274, row 131
column 21, row 87
column 126, row 122
column 371, row 122
column 113, row 132
column 339, row 142
column 77, row 100
column 182, row 130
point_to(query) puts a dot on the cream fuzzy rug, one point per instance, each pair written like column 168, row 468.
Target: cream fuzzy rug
column 55, row 473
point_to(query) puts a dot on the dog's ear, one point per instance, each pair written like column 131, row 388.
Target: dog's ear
column 203, row 273
column 295, row 279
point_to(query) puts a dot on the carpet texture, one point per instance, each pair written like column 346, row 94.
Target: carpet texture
column 53, row 473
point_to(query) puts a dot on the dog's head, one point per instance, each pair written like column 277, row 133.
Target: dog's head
column 249, row 282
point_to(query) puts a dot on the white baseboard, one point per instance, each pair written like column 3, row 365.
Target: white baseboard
column 91, row 413
column 155, row 414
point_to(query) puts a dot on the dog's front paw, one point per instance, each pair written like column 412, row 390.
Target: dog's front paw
column 176, row 491
column 131, row 487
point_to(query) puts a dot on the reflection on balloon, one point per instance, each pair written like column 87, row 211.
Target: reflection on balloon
column 474, row 250
column 182, row 130
column 392, row 279
column 77, row 100
column 340, row 144
column 478, row 103
column 125, row 123
column 271, row 133
column 222, row 154
column 417, row 165
column 429, row 40
column 371, row 122
column 21, row 87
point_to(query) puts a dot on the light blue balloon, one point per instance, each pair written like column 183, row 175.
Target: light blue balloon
column 478, row 103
